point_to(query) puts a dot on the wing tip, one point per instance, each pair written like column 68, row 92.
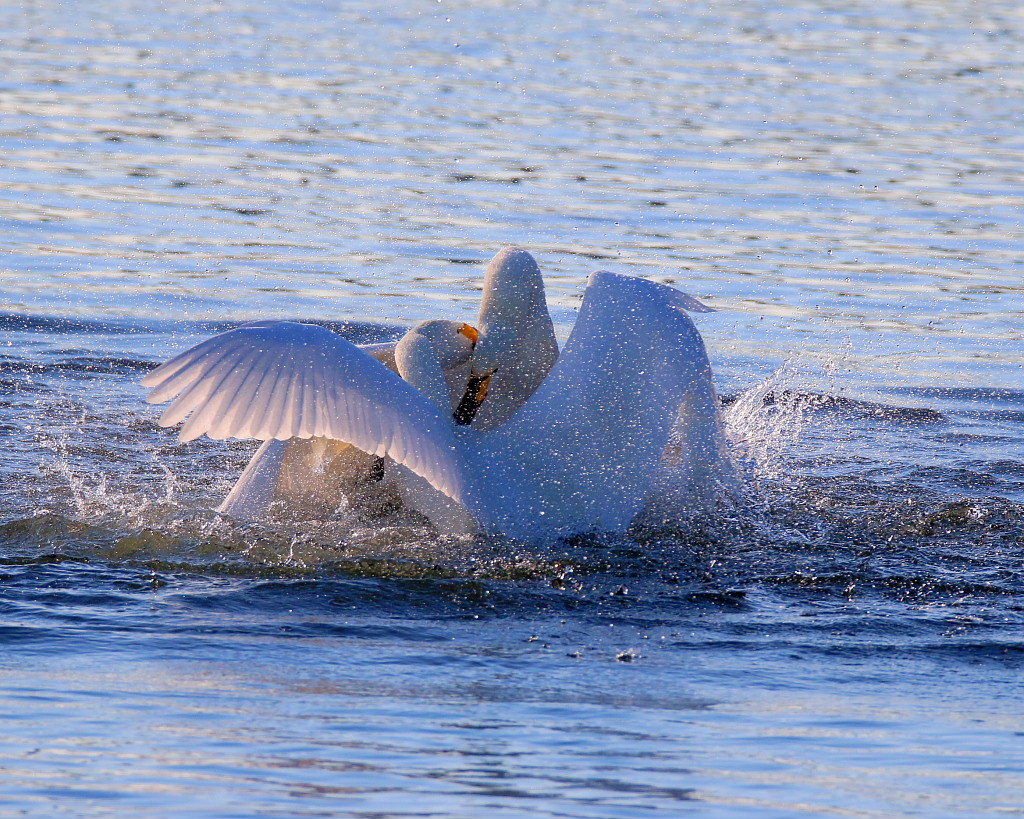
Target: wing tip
column 153, row 377
column 626, row 283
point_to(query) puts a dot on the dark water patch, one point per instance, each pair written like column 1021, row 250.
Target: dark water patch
column 321, row 630
column 904, row 588
column 358, row 332
column 1001, row 467
column 80, row 364
column 1008, row 416
column 10, row 634
column 729, row 598
column 305, row 596
column 70, row 602
column 102, row 364
column 66, row 326
column 871, row 651
column 18, row 367
column 982, row 478
column 840, row 404
column 976, row 517
column 952, row 651
column 972, row 438
column 245, row 211
column 978, row 403
column 463, row 261
column 12, row 386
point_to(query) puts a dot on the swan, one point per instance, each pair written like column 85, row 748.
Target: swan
column 515, row 347
column 582, row 453
column 312, row 475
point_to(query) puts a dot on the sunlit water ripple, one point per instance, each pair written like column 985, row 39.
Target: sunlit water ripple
column 842, row 181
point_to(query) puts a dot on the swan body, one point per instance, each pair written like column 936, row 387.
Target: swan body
column 586, row 449
column 582, row 453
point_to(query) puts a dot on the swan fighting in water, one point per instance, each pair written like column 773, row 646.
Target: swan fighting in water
column 517, row 348
column 493, row 431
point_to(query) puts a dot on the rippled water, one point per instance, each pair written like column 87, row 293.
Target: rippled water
column 842, row 180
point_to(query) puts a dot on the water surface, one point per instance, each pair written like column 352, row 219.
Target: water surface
column 840, row 180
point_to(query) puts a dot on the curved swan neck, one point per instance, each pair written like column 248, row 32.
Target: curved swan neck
column 517, row 341
column 513, row 292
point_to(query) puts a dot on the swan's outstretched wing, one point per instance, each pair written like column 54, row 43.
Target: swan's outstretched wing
column 260, row 484
column 281, row 380
column 596, row 429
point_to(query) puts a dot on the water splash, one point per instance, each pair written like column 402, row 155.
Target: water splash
column 763, row 430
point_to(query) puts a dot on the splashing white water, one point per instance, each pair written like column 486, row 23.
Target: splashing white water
column 766, row 421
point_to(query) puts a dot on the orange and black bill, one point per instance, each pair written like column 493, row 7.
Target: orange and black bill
column 472, row 398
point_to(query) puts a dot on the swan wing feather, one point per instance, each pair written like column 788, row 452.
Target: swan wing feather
column 282, row 380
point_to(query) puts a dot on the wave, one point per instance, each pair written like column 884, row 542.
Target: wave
column 110, row 488
column 834, row 538
column 76, row 364
column 987, row 395
column 18, row 322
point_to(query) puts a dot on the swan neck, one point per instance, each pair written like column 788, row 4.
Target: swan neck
column 513, row 291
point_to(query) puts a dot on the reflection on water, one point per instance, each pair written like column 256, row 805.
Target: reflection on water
column 841, row 180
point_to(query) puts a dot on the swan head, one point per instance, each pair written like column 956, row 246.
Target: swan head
column 431, row 353
column 450, row 343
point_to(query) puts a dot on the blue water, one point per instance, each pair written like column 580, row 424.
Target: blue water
column 840, row 180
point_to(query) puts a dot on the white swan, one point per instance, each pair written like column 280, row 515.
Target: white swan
column 581, row 454
column 312, row 475
column 517, row 345
column 516, row 349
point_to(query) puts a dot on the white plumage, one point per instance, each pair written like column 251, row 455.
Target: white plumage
column 282, row 380
column 582, row 453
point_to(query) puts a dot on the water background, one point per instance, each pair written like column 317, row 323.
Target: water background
column 841, row 180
